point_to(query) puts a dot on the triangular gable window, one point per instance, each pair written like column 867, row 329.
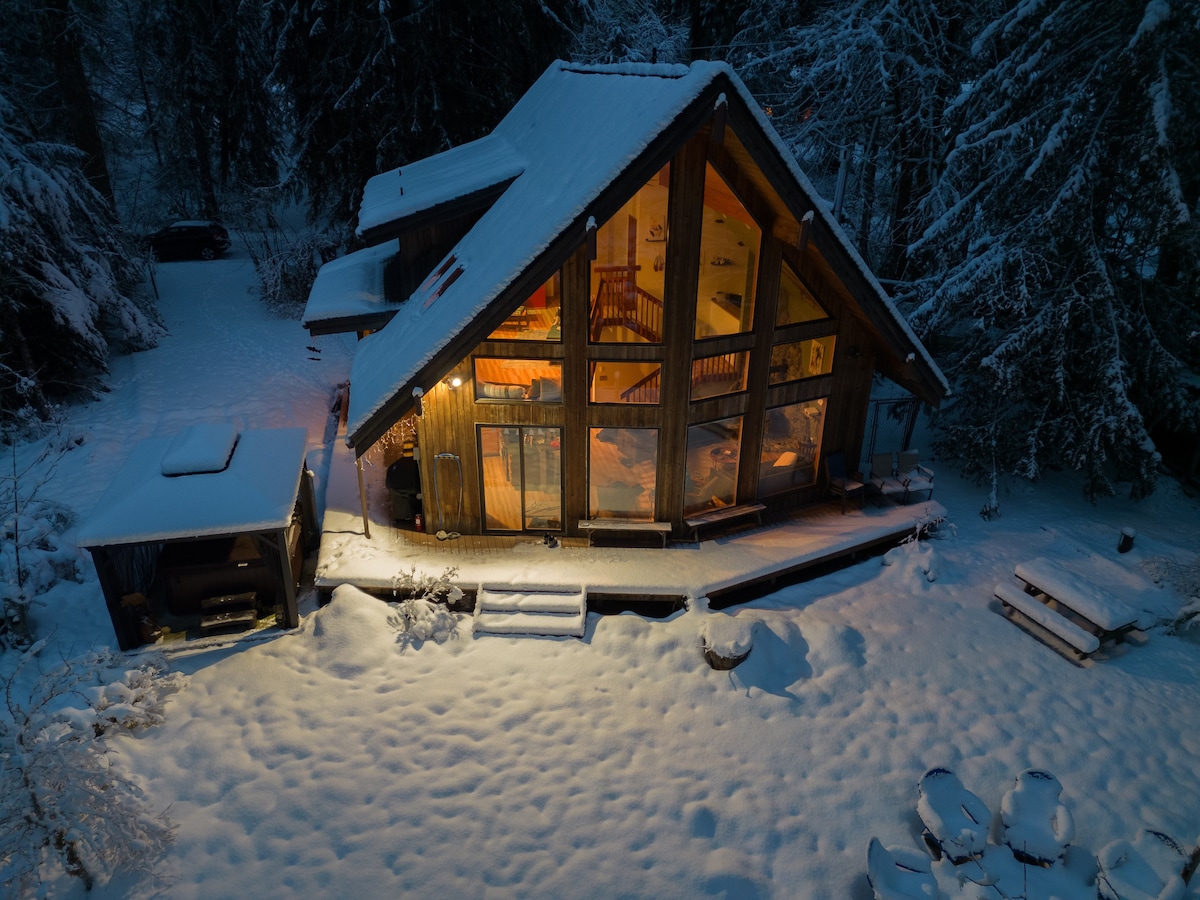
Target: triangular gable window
column 796, row 302
column 538, row 318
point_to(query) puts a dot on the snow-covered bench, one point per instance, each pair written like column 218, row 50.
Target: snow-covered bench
column 723, row 514
column 1013, row 598
column 624, row 526
column 1093, row 609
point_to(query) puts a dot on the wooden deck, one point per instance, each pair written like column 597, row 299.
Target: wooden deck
column 725, row 566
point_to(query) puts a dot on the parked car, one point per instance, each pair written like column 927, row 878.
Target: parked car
column 191, row 239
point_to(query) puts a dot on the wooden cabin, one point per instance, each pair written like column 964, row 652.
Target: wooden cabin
column 626, row 303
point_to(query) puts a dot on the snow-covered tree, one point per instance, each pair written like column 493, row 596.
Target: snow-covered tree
column 63, row 802
column 70, row 287
column 621, row 31
column 198, row 73
column 860, row 90
column 372, row 86
column 1026, row 176
column 1061, row 257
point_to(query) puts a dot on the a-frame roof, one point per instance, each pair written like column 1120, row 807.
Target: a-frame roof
column 575, row 133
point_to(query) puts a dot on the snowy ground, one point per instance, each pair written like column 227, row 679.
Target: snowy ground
column 332, row 762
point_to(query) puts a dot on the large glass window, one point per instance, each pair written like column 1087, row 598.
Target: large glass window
column 622, row 473
column 796, row 302
column 713, row 376
column 539, row 318
column 625, row 382
column 713, row 454
column 536, row 380
column 802, row 359
column 729, row 249
column 522, row 478
column 629, row 271
column 791, row 446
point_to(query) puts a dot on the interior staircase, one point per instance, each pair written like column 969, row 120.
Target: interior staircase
column 556, row 612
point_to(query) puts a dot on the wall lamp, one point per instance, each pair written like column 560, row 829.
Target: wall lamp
column 417, row 395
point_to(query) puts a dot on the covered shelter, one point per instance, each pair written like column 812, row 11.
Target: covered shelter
column 210, row 513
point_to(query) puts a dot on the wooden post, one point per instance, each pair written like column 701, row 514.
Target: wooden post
column 362, row 498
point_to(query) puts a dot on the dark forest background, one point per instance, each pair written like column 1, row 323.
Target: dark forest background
column 1022, row 175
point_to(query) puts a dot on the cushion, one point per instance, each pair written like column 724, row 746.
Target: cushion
column 787, row 458
column 501, row 391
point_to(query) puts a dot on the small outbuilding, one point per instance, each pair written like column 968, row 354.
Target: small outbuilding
column 207, row 528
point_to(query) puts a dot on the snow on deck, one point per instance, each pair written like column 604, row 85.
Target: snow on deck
column 683, row 568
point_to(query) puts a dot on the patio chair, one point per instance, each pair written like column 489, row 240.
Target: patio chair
column 883, row 477
column 1038, row 828
column 917, row 476
column 899, row 873
column 956, row 821
column 1148, row 868
column 839, row 481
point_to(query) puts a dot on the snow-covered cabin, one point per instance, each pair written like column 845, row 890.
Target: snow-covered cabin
column 627, row 302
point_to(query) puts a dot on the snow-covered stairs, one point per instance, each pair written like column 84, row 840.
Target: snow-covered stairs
column 547, row 611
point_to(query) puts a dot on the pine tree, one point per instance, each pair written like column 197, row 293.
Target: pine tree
column 69, row 285
column 372, row 86
column 1062, row 252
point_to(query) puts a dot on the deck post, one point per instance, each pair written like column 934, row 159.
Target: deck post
column 362, row 498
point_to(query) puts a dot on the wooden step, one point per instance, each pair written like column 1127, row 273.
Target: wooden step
column 558, row 612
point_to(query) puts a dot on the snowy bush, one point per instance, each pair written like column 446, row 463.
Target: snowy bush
column 424, row 613
column 63, row 803
column 32, row 556
column 287, row 265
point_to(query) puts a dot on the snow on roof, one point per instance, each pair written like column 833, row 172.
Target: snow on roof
column 566, row 127
column 427, row 183
column 351, row 285
column 255, row 492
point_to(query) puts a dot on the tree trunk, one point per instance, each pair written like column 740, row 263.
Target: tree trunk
column 62, row 45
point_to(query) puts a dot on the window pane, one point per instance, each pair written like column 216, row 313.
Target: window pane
column 796, row 302
column 622, row 471
column 540, row 454
column 625, row 382
column 537, row 319
column 522, row 477
column 729, row 244
column 518, row 380
column 713, row 452
column 713, row 376
column 629, row 271
column 791, row 446
column 802, row 359
column 500, row 451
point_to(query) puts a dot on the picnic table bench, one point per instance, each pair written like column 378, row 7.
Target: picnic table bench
column 1094, row 609
column 624, row 526
column 723, row 514
column 1033, row 609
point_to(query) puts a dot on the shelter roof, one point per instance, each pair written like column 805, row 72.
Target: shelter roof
column 255, row 491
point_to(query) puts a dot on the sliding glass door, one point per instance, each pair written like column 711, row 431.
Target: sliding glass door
column 522, row 477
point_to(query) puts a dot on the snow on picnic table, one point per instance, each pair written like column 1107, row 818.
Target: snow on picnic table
column 329, row 762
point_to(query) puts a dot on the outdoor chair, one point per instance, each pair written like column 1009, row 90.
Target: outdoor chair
column 916, row 476
column 1148, row 868
column 883, row 477
column 956, row 821
column 899, row 873
column 1037, row 826
column 839, row 481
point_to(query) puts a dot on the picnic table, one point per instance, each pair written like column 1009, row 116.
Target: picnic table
column 1091, row 607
